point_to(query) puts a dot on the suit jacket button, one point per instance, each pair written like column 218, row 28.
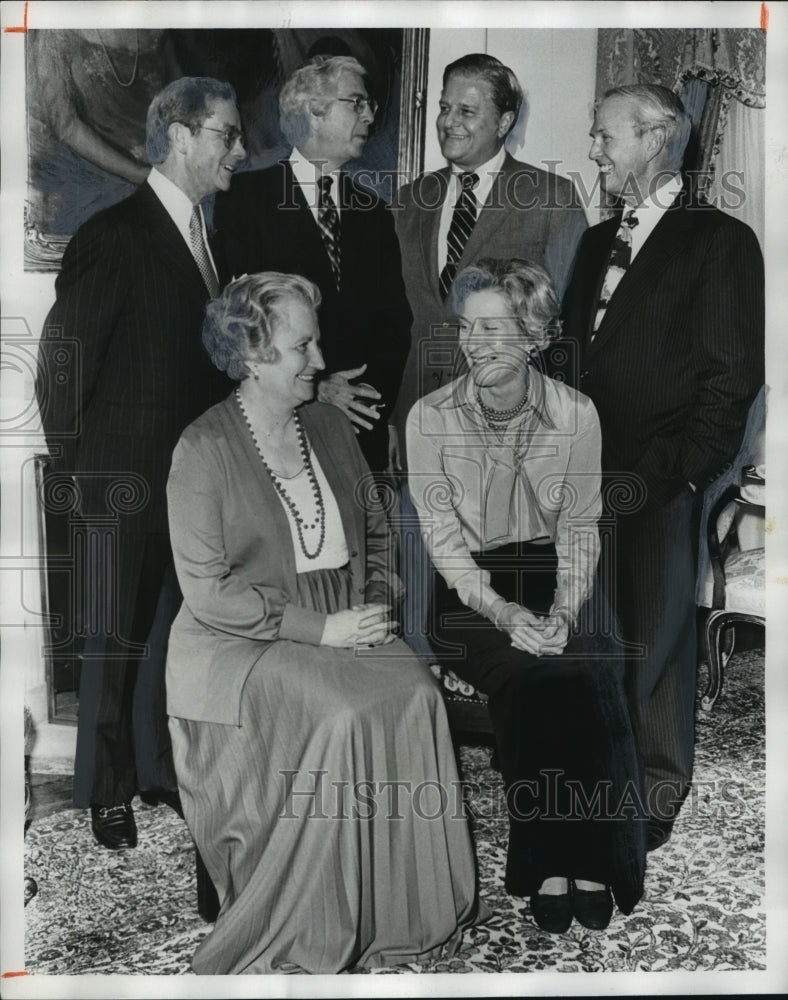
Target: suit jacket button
column 436, row 377
column 353, row 555
column 584, row 373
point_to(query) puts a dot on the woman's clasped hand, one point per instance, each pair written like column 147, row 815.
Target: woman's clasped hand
column 368, row 624
column 542, row 635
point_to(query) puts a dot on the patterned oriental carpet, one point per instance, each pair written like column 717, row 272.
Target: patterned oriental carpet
column 135, row 912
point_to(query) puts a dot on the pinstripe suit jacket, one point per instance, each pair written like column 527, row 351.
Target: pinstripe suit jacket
column 122, row 371
column 529, row 213
column 679, row 355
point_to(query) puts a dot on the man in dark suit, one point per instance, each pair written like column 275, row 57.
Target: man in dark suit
column 666, row 307
column 306, row 216
column 121, row 374
column 515, row 210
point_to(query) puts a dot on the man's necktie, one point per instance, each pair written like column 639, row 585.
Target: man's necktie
column 462, row 223
column 328, row 220
column 200, row 253
column 617, row 264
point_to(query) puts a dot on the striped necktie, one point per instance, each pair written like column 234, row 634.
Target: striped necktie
column 200, row 253
column 617, row 264
column 462, row 222
column 328, row 220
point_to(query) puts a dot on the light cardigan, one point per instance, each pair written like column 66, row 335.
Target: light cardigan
column 476, row 492
column 235, row 560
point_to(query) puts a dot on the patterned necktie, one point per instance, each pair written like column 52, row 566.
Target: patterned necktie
column 328, row 220
column 200, row 253
column 462, row 223
column 617, row 264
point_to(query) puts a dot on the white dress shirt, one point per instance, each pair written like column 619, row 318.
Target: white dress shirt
column 486, row 173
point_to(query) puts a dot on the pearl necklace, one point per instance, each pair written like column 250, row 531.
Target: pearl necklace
column 300, row 523
column 493, row 416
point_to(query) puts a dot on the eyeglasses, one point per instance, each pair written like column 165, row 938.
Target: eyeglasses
column 359, row 103
column 230, row 135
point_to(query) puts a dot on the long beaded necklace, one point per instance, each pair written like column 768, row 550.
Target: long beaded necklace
column 300, row 523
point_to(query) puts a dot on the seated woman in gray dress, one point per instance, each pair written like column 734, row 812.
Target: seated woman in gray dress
column 505, row 476
column 295, row 712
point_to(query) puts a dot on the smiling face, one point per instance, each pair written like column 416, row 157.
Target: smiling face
column 470, row 130
column 492, row 339
column 340, row 134
column 625, row 157
column 207, row 164
column 291, row 377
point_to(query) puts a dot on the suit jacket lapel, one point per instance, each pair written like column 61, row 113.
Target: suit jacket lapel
column 167, row 242
column 488, row 219
column 668, row 239
column 431, row 193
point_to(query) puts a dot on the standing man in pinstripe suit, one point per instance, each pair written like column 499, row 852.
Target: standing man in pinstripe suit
column 122, row 372
column 666, row 305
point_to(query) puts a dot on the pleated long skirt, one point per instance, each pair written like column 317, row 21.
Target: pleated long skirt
column 331, row 819
column 565, row 741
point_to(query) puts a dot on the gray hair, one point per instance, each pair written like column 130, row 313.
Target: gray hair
column 658, row 107
column 311, row 88
column 186, row 101
column 239, row 325
column 526, row 286
column 507, row 94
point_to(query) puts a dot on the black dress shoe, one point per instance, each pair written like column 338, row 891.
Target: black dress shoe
column 164, row 797
column 592, row 907
column 114, row 826
column 658, row 832
column 552, row 913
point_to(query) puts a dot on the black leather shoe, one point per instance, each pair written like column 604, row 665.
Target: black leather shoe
column 163, row 797
column 552, row 913
column 593, row 908
column 658, row 832
column 114, row 826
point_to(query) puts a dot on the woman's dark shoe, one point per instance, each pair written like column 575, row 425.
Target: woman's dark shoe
column 593, row 908
column 552, row 913
column 114, row 826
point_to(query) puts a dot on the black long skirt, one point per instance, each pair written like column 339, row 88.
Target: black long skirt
column 565, row 742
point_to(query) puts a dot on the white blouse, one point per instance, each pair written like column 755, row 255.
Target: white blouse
column 299, row 489
column 476, row 490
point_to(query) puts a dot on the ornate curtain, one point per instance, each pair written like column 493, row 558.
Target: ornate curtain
column 720, row 75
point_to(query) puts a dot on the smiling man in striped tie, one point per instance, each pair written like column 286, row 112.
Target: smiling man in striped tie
column 307, row 215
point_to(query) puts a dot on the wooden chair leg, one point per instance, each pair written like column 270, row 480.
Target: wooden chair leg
column 714, row 625
column 207, row 899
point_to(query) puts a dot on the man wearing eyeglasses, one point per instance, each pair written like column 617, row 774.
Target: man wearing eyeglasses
column 307, row 216
column 122, row 371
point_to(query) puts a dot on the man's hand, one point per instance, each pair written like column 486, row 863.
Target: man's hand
column 337, row 390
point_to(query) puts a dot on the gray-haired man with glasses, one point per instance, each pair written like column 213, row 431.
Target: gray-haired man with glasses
column 122, row 372
column 307, row 216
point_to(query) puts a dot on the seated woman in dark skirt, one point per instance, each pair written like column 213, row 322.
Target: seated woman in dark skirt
column 505, row 475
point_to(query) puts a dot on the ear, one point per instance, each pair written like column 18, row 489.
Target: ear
column 506, row 122
column 179, row 135
column 656, row 138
